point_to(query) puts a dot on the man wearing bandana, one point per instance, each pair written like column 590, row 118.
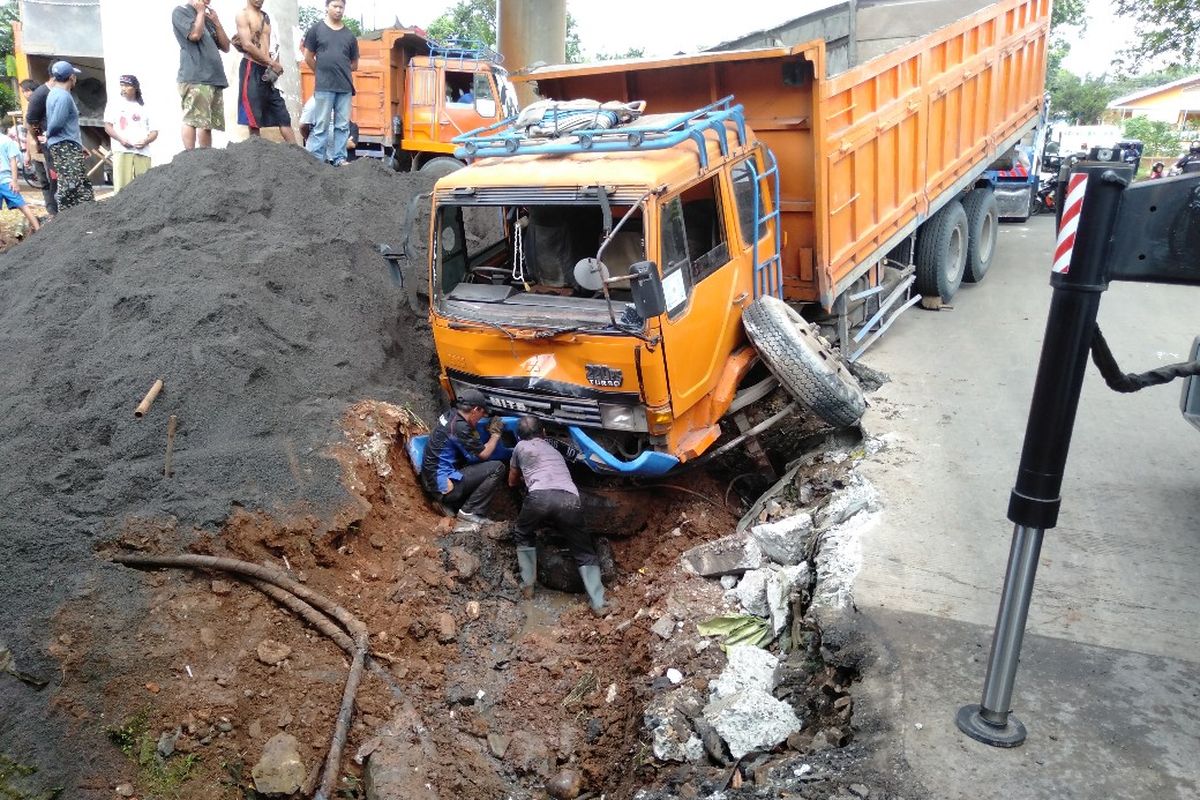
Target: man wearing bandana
column 128, row 126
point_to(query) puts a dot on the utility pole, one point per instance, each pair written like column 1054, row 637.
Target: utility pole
column 531, row 32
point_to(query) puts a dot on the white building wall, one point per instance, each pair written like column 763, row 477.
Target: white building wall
column 138, row 39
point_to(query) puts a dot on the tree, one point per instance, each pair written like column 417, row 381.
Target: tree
column 1158, row 137
column 1164, row 28
column 633, row 52
column 1080, row 101
column 310, row 16
column 476, row 19
column 9, row 13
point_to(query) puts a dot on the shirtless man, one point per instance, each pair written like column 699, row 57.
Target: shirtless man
column 260, row 103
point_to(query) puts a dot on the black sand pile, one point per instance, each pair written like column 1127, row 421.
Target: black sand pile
column 249, row 279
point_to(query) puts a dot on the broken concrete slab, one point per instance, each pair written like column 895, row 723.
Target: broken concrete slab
column 751, row 720
column 780, row 584
column 729, row 555
column 785, row 541
column 746, row 667
column 664, row 628
column 856, row 496
column 751, row 592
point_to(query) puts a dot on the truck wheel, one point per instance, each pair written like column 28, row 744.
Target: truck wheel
column 441, row 166
column 983, row 225
column 803, row 362
column 942, row 252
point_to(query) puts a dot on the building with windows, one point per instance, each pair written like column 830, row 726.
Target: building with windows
column 1176, row 103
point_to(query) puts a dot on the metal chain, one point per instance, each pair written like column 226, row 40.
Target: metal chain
column 1133, row 382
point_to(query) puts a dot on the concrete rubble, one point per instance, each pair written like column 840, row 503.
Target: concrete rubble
column 279, row 771
column 785, row 541
column 747, row 667
column 729, row 555
column 751, row 720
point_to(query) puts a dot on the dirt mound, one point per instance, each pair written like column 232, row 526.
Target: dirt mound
column 250, row 280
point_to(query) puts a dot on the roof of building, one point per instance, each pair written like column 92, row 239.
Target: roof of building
column 1153, row 90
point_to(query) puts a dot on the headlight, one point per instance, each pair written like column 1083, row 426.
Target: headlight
column 623, row 418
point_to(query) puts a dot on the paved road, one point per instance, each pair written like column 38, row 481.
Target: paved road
column 1109, row 684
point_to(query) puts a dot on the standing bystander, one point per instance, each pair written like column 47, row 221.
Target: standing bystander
column 553, row 501
column 260, row 103
column 64, row 139
column 129, row 127
column 10, row 192
column 331, row 51
column 35, row 140
column 201, row 76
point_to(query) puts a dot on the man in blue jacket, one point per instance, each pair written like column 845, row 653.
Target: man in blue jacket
column 63, row 137
column 457, row 469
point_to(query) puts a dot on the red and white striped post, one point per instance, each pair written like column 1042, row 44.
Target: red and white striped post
column 1079, row 276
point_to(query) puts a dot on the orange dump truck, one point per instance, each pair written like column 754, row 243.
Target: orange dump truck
column 641, row 280
column 414, row 95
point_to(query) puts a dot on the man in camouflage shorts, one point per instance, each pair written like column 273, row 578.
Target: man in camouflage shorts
column 201, row 74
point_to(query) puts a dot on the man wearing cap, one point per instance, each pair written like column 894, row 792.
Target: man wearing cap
column 35, row 140
column 456, row 468
column 552, row 502
column 201, row 74
column 63, row 137
column 128, row 125
column 260, row 103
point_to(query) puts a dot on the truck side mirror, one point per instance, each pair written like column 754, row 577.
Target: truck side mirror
column 647, row 289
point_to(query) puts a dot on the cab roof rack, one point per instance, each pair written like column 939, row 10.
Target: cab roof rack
column 502, row 139
column 462, row 50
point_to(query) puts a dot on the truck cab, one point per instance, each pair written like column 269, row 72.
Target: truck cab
column 613, row 284
column 413, row 95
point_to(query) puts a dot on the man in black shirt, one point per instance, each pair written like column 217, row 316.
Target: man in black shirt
column 201, row 74
column 331, row 51
column 35, row 129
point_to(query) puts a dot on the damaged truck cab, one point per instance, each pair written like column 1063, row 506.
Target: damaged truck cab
column 605, row 296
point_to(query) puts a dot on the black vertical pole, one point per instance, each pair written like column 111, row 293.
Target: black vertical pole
column 1080, row 276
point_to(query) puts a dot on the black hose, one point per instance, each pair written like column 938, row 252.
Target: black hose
column 1126, row 382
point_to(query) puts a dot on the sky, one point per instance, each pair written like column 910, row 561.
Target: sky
column 664, row 27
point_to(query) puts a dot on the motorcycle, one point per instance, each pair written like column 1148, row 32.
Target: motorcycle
column 1044, row 197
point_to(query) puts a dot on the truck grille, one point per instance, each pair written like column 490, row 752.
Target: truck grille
column 563, row 410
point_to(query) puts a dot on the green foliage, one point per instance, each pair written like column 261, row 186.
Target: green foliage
column 310, row 16
column 1166, row 28
column 476, row 19
column 9, row 13
column 1158, row 137
column 633, row 52
column 1080, row 101
column 1069, row 12
column 160, row 778
column 14, row 771
column 467, row 19
column 8, row 99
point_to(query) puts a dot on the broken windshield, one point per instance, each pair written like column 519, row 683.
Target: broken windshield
column 533, row 265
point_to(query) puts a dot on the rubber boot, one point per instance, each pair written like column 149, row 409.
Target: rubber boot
column 594, row 587
column 527, row 562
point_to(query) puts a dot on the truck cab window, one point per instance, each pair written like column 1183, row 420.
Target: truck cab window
column 485, row 96
column 745, row 175
column 460, row 87
column 704, row 230
column 676, row 263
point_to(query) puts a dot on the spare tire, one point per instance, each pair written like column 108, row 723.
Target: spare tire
column 983, row 227
column 441, row 166
column 803, row 362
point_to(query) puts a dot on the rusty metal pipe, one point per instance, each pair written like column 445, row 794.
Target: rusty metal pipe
column 144, row 406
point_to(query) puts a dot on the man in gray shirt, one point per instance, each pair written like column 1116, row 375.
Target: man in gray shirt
column 553, row 501
column 201, row 74
column 331, row 51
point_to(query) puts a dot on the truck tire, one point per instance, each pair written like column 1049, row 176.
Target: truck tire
column 983, row 227
column 942, row 252
column 802, row 360
column 441, row 166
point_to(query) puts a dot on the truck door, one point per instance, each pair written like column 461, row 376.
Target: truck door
column 701, row 286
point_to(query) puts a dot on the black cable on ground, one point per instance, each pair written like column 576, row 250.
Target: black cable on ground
column 1133, row 382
